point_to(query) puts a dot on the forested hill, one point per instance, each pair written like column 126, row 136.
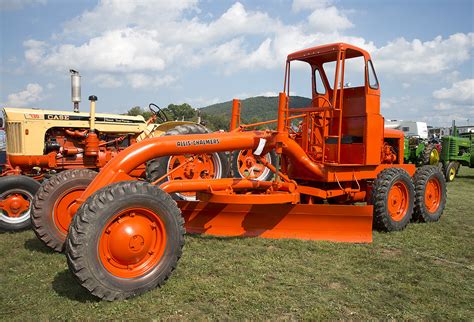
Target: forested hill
column 253, row 109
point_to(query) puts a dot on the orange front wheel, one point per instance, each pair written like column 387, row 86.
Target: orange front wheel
column 125, row 240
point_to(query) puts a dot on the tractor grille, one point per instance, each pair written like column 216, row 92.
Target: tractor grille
column 14, row 138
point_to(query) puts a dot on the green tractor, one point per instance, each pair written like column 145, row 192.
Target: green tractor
column 420, row 151
column 457, row 150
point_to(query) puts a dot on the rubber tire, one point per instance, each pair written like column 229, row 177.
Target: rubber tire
column 90, row 220
column 42, row 219
column 235, row 166
column 425, row 155
column 447, row 169
column 157, row 168
column 18, row 182
column 421, row 177
column 382, row 185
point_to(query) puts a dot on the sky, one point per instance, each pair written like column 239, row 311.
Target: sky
column 202, row 52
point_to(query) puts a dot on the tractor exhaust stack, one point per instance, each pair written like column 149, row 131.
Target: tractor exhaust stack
column 75, row 89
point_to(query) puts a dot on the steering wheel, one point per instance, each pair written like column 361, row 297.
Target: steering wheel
column 158, row 112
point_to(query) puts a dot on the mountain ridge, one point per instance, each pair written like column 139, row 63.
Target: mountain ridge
column 253, row 109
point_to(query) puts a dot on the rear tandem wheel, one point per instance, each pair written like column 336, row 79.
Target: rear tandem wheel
column 430, row 194
column 393, row 198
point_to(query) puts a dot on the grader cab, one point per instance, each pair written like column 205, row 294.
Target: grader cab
column 338, row 172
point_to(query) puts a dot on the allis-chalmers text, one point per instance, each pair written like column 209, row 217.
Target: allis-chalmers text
column 197, row 142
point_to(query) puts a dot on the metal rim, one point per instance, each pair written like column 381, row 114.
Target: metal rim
column 64, row 209
column 398, row 201
column 452, row 173
column 132, row 243
column 21, row 202
column 432, row 195
column 204, row 166
column 251, row 168
column 434, row 157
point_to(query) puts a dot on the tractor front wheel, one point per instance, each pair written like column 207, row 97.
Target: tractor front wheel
column 16, row 196
column 451, row 170
column 126, row 239
column 393, row 197
column 55, row 205
column 430, row 194
column 430, row 155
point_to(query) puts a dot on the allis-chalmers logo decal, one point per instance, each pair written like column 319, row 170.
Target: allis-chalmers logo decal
column 197, row 142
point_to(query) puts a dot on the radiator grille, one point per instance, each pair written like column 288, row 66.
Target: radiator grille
column 14, row 138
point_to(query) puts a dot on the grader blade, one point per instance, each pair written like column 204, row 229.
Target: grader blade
column 341, row 223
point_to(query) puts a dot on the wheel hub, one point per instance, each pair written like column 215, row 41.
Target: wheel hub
column 434, row 157
column 65, row 208
column 398, row 201
column 15, row 204
column 132, row 243
column 432, row 195
column 452, row 173
column 248, row 165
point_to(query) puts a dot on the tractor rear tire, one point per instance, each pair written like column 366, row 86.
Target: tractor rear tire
column 430, row 155
column 430, row 194
column 126, row 239
column 393, row 198
column 23, row 190
column 239, row 169
column 158, row 167
column 53, row 206
column 450, row 171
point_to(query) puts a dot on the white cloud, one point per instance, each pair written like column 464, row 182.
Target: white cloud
column 124, row 50
column 35, row 50
column 31, row 94
column 425, row 58
column 19, row 4
column 107, row 81
column 328, row 19
column 129, row 42
column 120, row 14
column 460, row 92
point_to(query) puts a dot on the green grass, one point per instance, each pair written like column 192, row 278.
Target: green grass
column 424, row 272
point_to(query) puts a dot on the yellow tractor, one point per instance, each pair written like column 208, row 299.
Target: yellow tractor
column 42, row 143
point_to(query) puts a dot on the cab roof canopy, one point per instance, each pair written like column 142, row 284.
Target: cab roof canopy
column 327, row 53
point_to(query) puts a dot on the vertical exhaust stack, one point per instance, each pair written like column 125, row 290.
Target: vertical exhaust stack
column 75, row 89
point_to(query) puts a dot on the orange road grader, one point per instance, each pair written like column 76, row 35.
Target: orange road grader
column 42, row 143
column 337, row 174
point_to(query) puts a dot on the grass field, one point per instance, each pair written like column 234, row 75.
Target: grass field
column 424, row 272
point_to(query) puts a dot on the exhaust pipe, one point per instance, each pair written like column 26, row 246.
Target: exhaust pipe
column 75, row 89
